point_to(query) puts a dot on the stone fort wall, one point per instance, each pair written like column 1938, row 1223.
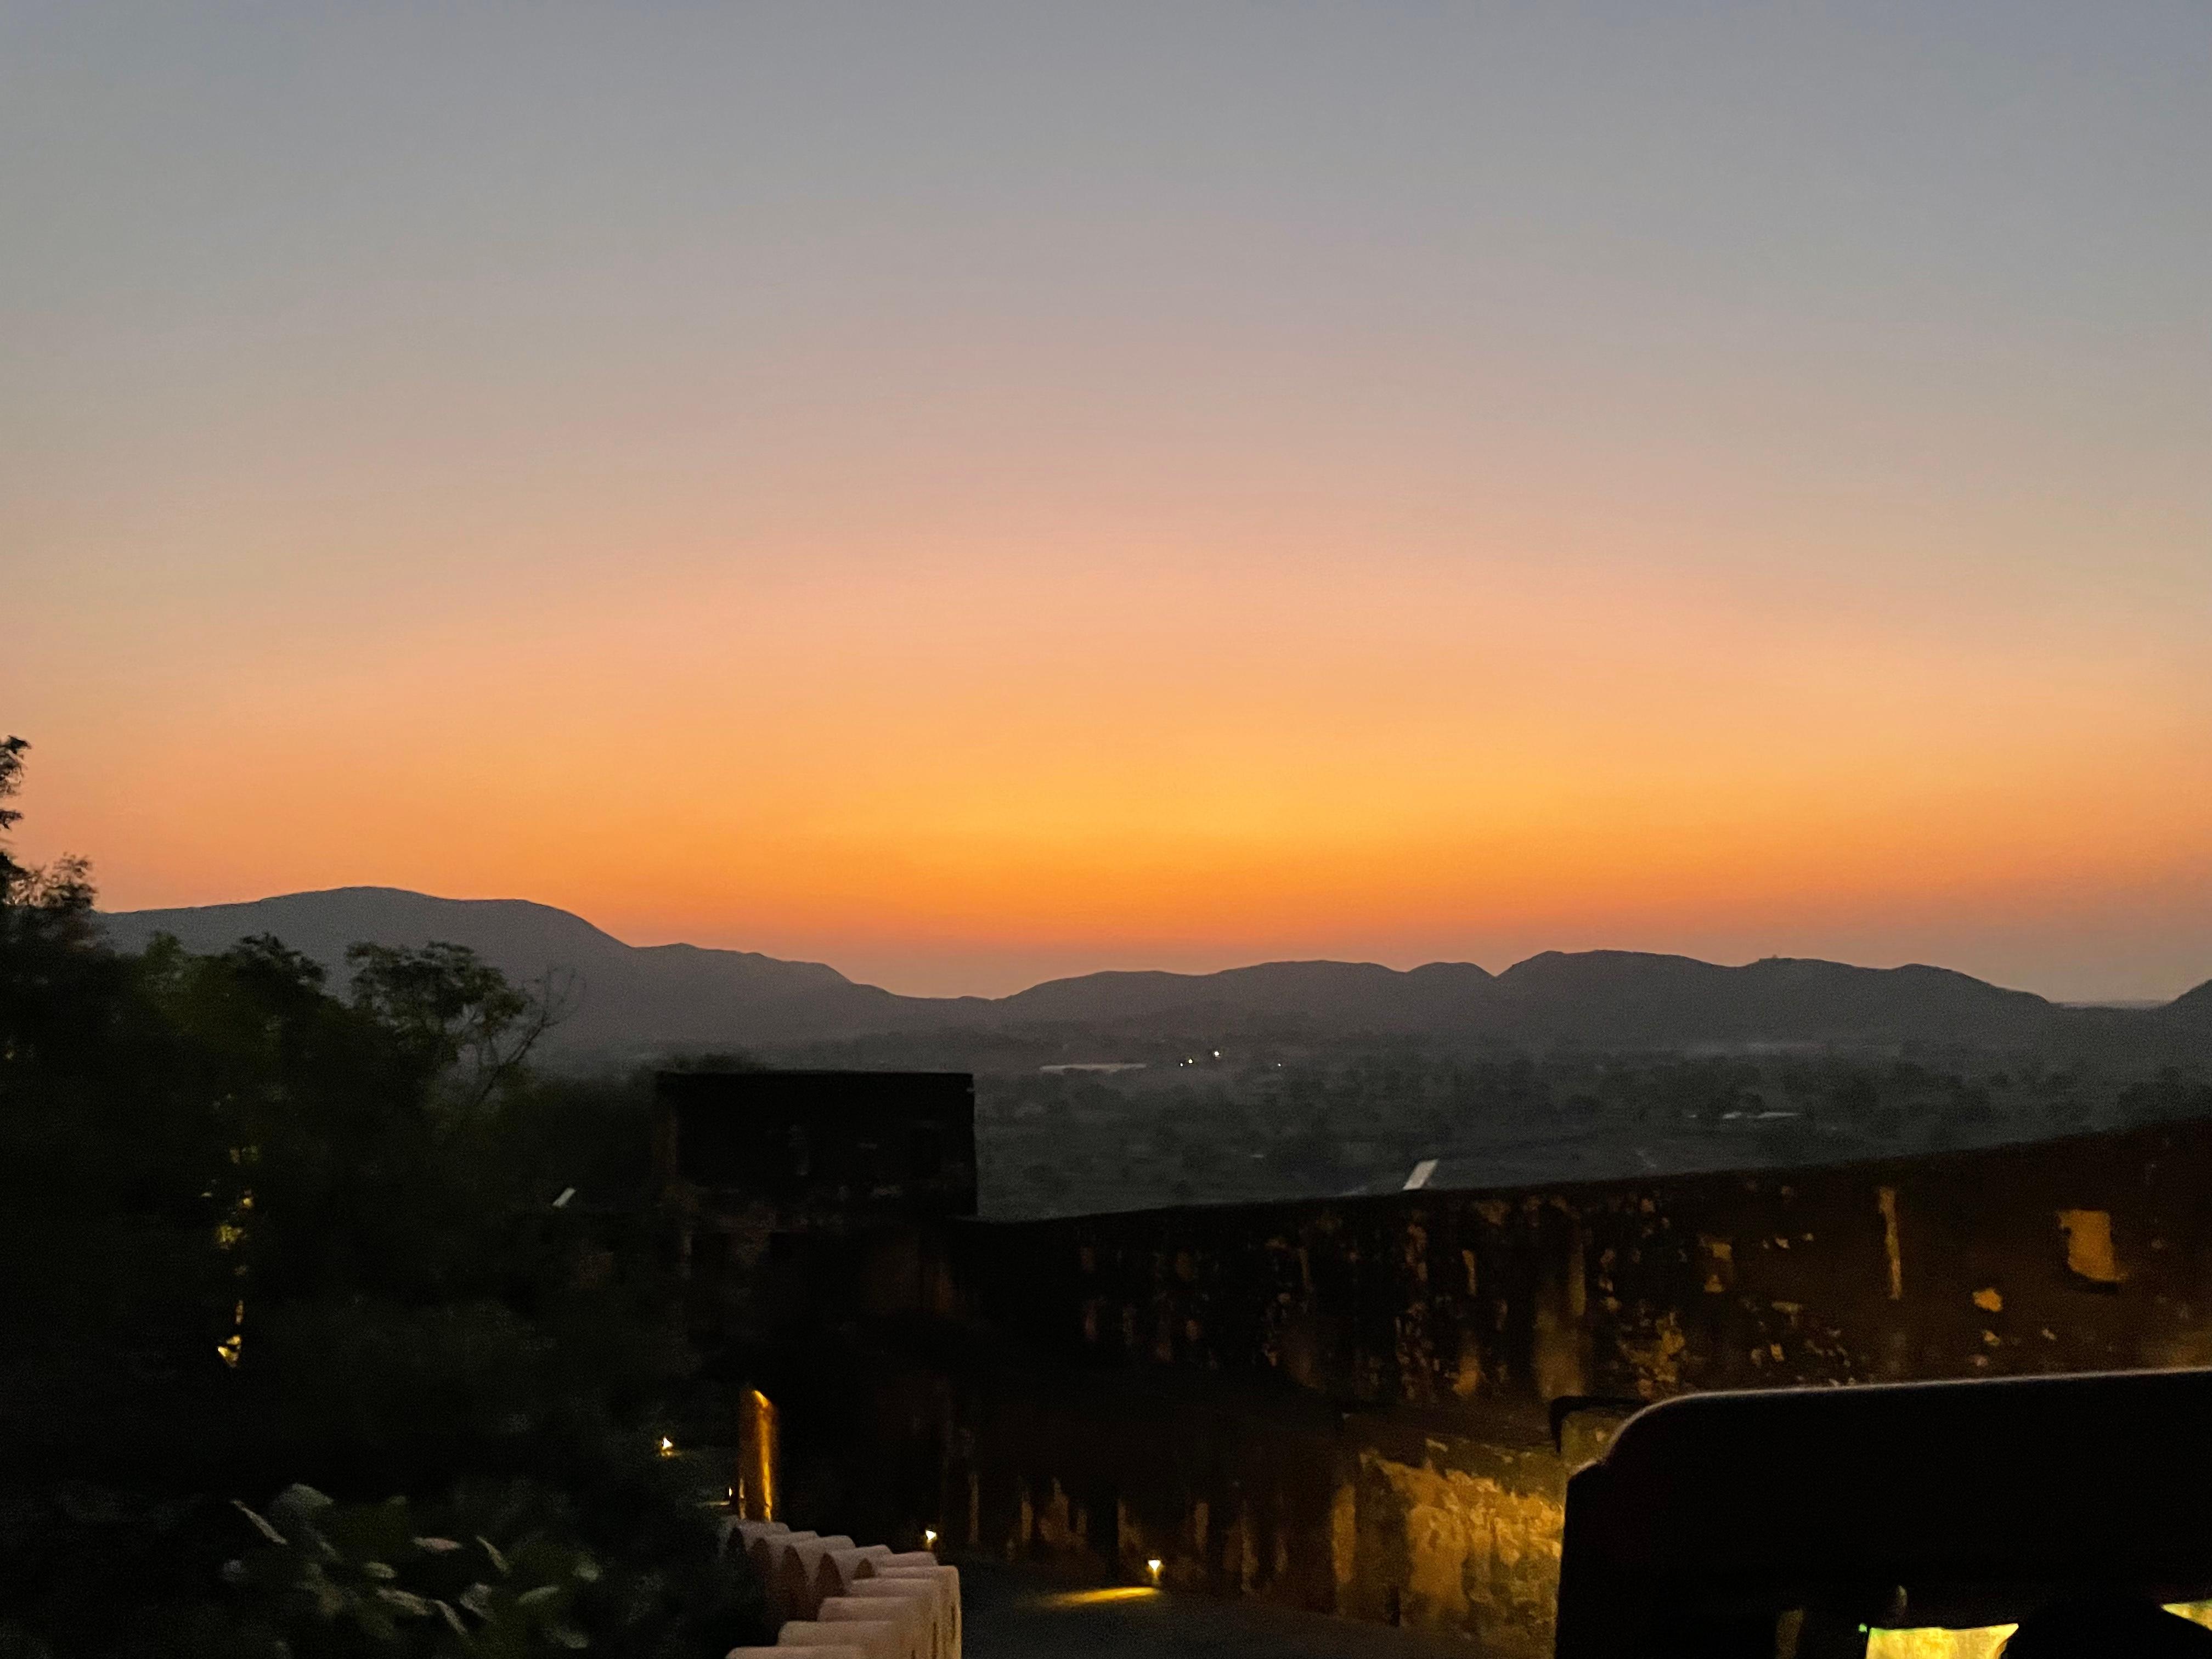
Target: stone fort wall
column 1351, row 1405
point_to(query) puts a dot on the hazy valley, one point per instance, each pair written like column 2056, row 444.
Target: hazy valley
column 1292, row 1078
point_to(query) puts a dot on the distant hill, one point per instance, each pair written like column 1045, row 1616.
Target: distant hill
column 627, row 996
column 2192, row 1008
column 1348, row 995
column 636, row 998
column 1621, row 999
column 1632, row 999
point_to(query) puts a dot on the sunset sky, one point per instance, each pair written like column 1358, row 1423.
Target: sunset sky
column 968, row 493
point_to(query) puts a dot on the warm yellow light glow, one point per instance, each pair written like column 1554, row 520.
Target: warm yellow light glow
column 667, row 1447
column 1153, row 1567
column 232, row 1347
column 1978, row 1642
column 1092, row 1598
column 1982, row 1642
column 757, row 1457
column 929, row 1537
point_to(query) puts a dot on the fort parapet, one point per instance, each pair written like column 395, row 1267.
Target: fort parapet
column 1369, row 1406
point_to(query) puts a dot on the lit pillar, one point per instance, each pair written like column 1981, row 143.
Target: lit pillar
column 758, row 1464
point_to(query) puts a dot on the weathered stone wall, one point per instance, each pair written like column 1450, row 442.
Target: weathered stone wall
column 2066, row 1255
column 1344, row 1405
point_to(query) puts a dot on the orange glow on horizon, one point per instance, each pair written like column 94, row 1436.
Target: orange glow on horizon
column 1202, row 765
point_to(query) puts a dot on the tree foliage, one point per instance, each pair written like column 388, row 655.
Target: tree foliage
column 255, row 1237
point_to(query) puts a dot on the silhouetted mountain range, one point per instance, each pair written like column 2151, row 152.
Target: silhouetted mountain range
column 633, row 998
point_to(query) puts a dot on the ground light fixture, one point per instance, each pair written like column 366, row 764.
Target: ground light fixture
column 929, row 1537
column 1153, row 1567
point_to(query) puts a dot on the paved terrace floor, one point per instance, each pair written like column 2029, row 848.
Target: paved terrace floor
column 1008, row 1613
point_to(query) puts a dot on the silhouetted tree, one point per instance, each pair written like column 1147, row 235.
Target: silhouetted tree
column 247, row 1242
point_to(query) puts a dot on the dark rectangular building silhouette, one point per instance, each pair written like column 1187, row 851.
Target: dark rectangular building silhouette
column 794, row 1191
column 821, row 1151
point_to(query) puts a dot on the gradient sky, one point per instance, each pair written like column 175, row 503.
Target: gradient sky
column 972, row 492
